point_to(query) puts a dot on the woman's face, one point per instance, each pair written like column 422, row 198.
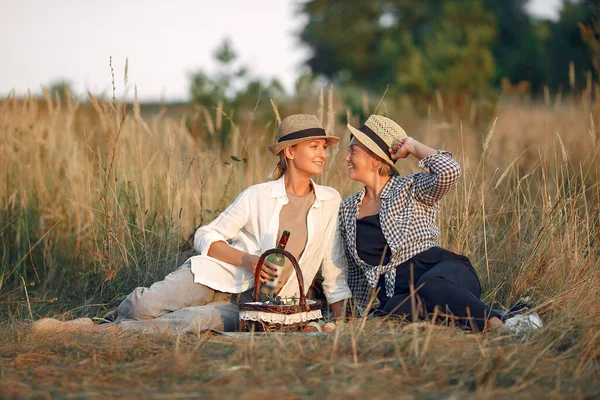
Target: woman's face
column 361, row 164
column 308, row 157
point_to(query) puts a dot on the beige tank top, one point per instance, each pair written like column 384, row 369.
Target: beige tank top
column 292, row 218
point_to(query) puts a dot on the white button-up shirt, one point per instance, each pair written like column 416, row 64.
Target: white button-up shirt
column 251, row 224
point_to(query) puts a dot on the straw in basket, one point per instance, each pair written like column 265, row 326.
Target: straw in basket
column 261, row 316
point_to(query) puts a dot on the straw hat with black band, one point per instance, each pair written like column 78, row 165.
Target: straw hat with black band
column 379, row 134
column 300, row 128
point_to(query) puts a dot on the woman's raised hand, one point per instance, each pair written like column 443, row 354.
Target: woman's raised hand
column 407, row 146
column 401, row 149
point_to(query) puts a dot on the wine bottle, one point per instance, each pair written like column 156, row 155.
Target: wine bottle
column 278, row 260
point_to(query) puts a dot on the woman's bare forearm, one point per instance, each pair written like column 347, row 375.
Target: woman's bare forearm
column 418, row 149
column 339, row 309
column 224, row 252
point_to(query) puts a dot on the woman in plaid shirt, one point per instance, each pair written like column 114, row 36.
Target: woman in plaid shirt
column 390, row 231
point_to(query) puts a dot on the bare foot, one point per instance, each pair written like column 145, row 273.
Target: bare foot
column 495, row 324
column 51, row 325
column 45, row 325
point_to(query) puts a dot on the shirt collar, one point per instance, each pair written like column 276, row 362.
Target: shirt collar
column 388, row 188
column 321, row 192
column 360, row 196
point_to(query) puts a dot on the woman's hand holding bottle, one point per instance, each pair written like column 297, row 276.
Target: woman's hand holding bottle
column 268, row 271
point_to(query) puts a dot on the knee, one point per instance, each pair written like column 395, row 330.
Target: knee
column 404, row 305
column 397, row 305
column 429, row 286
column 137, row 306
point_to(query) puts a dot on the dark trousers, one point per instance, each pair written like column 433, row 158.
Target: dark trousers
column 440, row 279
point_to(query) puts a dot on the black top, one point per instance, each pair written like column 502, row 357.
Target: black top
column 370, row 241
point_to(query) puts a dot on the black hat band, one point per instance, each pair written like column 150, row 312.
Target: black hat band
column 378, row 140
column 303, row 134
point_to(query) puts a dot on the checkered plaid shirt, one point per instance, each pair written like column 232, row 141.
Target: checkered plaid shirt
column 408, row 214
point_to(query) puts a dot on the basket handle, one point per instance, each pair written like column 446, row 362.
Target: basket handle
column 296, row 266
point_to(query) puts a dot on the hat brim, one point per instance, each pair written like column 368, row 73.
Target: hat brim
column 278, row 147
column 372, row 146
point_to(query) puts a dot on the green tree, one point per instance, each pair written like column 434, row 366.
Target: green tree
column 518, row 49
column 231, row 87
column 415, row 46
column 458, row 57
column 565, row 44
column 254, row 98
column 61, row 88
column 208, row 90
column 590, row 34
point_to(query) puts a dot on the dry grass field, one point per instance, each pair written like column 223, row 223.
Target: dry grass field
column 96, row 199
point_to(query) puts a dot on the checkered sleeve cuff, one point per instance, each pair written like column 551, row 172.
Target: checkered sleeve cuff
column 430, row 162
column 443, row 172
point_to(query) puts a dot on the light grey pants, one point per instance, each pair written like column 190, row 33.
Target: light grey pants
column 177, row 305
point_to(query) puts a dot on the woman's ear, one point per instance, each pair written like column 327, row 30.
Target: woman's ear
column 288, row 152
column 375, row 163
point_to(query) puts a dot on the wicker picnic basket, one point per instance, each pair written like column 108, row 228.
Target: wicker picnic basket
column 263, row 317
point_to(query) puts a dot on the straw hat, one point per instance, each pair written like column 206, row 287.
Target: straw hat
column 299, row 128
column 379, row 134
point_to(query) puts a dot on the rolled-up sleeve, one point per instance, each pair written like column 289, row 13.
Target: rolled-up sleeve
column 226, row 225
column 334, row 265
column 442, row 173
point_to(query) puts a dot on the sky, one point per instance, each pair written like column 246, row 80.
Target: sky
column 46, row 41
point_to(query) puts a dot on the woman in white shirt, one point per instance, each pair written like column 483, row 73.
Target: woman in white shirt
column 204, row 292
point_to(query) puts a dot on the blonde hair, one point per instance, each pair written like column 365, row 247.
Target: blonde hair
column 385, row 169
column 280, row 168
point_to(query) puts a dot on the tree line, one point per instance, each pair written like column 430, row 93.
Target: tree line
column 418, row 48
column 452, row 46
